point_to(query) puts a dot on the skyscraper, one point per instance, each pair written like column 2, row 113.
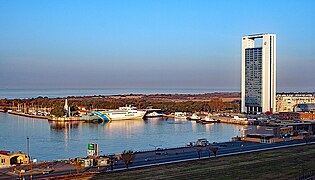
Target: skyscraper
column 258, row 73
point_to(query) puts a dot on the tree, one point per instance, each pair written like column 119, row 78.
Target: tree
column 199, row 151
column 78, row 166
column 58, row 111
column 214, row 150
column 127, row 157
column 307, row 138
column 111, row 162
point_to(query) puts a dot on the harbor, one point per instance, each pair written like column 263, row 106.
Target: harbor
column 51, row 140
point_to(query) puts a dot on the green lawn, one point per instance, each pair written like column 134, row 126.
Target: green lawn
column 286, row 163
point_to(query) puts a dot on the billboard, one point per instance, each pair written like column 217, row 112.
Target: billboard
column 92, row 149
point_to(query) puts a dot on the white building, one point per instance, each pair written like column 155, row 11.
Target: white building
column 286, row 102
column 258, row 73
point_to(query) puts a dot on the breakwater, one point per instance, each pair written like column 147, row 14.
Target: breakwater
column 65, row 118
column 27, row 115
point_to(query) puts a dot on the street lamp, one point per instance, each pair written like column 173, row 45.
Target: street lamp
column 155, row 146
column 28, row 146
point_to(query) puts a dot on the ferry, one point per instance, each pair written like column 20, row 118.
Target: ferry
column 122, row 113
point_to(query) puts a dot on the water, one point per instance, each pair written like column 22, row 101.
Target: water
column 64, row 92
column 52, row 140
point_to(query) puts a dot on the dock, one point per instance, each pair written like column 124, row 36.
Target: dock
column 27, row 115
column 72, row 118
column 232, row 121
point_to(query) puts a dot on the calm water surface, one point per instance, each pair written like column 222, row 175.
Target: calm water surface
column 51, row 140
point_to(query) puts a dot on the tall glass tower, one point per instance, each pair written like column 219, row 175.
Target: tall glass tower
column 258, row 73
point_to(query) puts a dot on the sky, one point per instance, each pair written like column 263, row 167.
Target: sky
column 150, row 43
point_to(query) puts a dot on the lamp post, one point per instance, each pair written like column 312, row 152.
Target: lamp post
column 28, row 154
column 28, row 146
column 155, row 146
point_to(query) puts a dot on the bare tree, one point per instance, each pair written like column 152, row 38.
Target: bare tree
column 111, row 162
column 307, row 137
column 214, row 150
column 78, row 166
column 199, row 151
column 127, row 157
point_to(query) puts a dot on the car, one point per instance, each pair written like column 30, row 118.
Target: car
column 48, row 171
column 147, row 159
column 202, row 142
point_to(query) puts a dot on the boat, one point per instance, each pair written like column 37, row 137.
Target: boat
column 195, row 117
column 180, row 115
column 208, row 120
column 122, row 113
column 153, row 115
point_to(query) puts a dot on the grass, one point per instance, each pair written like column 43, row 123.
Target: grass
column 288, row 163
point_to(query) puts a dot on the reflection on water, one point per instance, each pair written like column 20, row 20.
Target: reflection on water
column 55, row 125
column 59, row 140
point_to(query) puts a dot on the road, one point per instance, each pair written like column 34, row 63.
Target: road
column 150, row 158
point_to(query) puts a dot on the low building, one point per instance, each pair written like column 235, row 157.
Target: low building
column 307, row 116
column 96, row 161
column 262, row 138
column 304, row 107
column 307, row 126
column 8, row 159
column 286, row 130
column 281, row 132
column 285, row 102
column 296, row 116
column 289, row 116
column 102, row 161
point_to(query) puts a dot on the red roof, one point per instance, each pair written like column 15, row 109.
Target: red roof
column 5, row 152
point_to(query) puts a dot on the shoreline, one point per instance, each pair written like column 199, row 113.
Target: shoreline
column 49, row 118
column 174, row 157
column 73, row 119
column 25, row 115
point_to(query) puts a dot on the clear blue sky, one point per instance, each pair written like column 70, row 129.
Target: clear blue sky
column 150, row 44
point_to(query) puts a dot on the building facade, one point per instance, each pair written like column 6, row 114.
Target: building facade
column 287, row 102
column 258, row 73
column 8, row 159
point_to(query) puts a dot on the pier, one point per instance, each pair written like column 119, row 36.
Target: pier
column 72, row 118
column 232, row 121
column 28, row 115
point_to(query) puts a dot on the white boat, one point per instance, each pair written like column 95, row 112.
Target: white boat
column 194, row 117
column 123, row 113
column 180, row 115
column 153, row 114
column 208, row 120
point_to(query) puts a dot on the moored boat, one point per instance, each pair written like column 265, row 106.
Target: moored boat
column 153, row 115
column 122, row 113
column 209, row 120
column 195, row 117
column 180, row 115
